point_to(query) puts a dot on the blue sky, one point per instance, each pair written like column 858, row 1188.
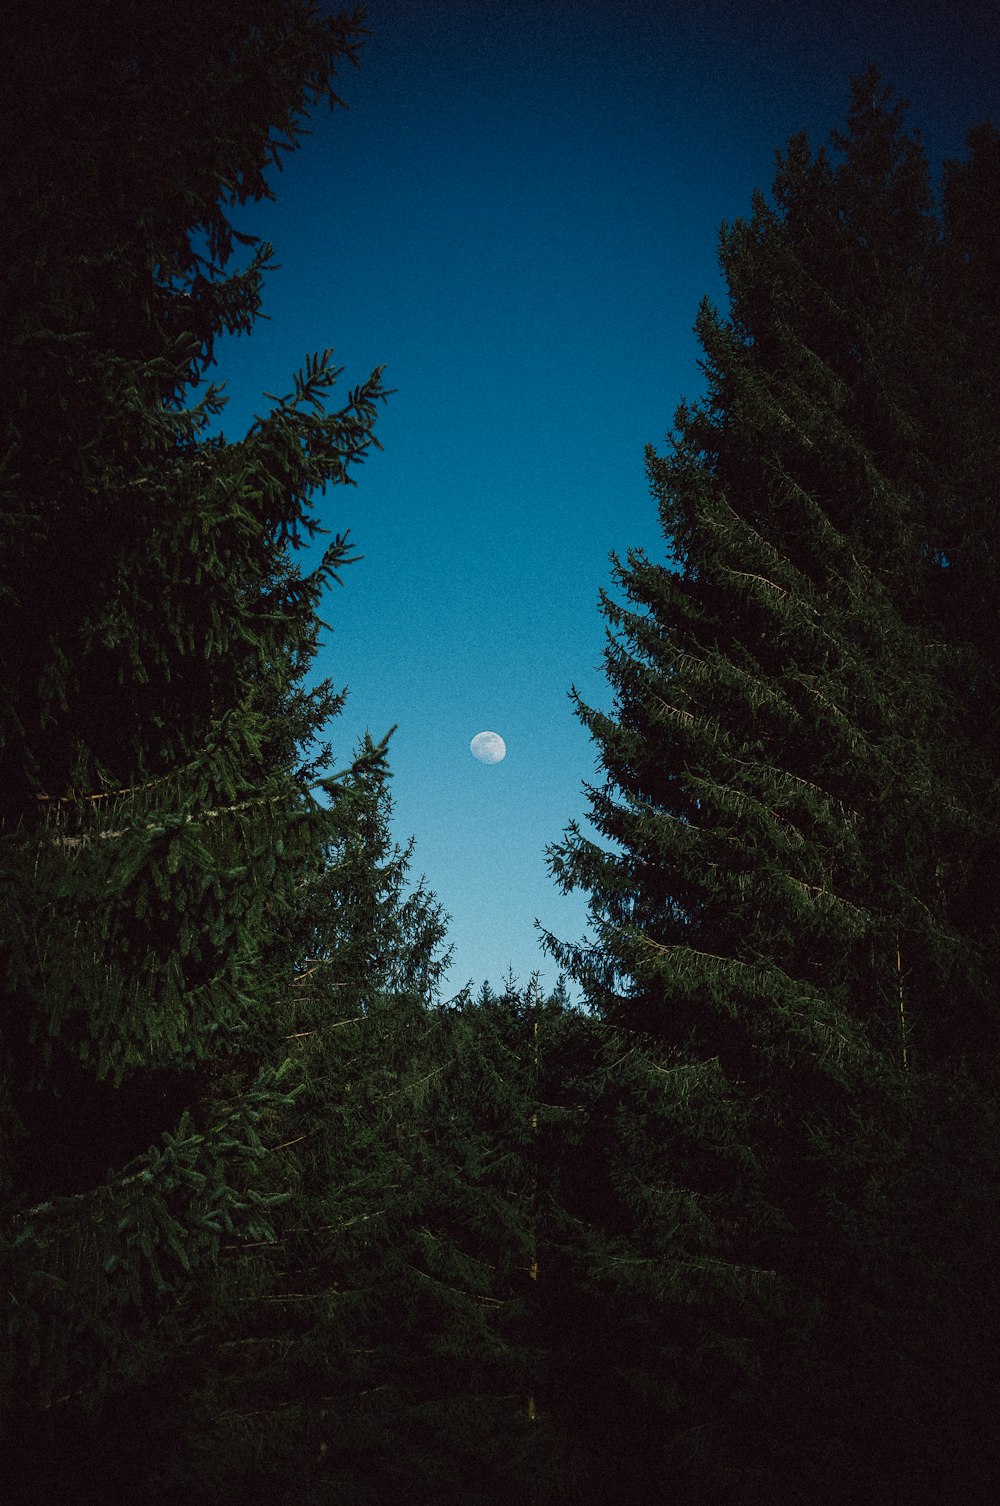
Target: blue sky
column 517, row 216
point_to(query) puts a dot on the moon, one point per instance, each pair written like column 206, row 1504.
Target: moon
column 488, row 747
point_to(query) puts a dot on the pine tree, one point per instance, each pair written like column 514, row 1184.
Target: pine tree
column 283, row 1348
column 159, row 818
column 801, row 800
column 377, row 1349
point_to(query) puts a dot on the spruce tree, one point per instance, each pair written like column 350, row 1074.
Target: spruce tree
column 159, row 816
column 378, row 1348
column 800, row 802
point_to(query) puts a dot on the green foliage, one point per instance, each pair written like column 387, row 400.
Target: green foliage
column 278, row 1224
column 791, row 881
column 158, row 820
column 377, row 1348
column 145, row 581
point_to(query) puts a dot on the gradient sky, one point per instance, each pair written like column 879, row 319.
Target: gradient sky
column 517, row 216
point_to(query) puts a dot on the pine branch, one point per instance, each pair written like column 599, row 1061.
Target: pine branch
column 747, row 575
column 189, row 817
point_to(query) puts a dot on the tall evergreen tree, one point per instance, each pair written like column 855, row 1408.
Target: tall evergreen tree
column 801, row 797
column 378, row 1348
column 158, row 820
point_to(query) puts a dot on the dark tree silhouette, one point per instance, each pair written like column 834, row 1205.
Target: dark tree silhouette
column 800, row 826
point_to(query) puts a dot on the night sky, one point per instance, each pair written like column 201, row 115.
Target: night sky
column 517, row 216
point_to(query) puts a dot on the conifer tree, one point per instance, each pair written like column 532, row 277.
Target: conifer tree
column 378, row 1348
column 159, row 819
column 801, row 800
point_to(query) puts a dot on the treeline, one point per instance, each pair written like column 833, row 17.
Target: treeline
column 279, row 1224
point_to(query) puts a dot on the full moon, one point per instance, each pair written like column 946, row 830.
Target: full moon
column 488, row 747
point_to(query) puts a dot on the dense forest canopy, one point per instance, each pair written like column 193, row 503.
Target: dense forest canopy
column 280, row 1224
